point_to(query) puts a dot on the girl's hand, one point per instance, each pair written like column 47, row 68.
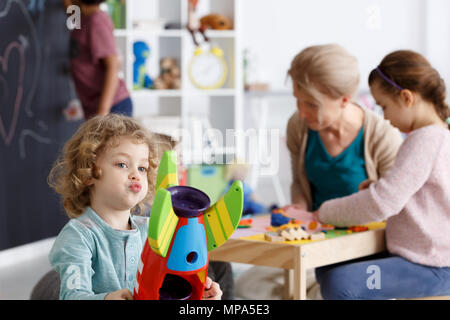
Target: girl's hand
column 365, row 184
column 123, row 294
column 212, row 290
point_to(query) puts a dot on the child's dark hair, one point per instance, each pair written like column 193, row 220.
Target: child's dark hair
column 410, row 70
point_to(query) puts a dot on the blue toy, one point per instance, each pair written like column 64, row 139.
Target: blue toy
column 140, row 77
column 279, row 218
column 251, row 206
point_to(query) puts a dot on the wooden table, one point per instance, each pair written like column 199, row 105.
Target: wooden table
column 298, row 257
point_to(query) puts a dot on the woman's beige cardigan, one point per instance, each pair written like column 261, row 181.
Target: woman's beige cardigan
column 381, row 143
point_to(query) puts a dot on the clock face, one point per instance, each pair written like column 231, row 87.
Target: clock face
column 207, row 71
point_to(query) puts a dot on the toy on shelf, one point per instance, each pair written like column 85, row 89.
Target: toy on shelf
column 170, row 75
column 207, row 68
column 73, row 111
column 194, row 26
column 183, row 228
column 215, row 22
column 116, row 10
column 141, row 78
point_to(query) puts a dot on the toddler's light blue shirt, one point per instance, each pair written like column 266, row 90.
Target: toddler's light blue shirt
column 93, row 259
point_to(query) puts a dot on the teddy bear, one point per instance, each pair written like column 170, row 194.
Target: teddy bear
column 170, row 75
column 215, row 22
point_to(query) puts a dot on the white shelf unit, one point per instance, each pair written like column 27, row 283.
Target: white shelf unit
column 221, row 107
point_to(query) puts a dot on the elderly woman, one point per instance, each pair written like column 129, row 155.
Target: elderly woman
column 336, row 146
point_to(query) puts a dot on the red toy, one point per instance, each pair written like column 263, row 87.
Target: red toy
column 358, row 228
column 183, row 228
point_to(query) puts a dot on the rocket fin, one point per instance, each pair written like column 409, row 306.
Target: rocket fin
column 223, row 217
column 167, row 171
column 162, row 223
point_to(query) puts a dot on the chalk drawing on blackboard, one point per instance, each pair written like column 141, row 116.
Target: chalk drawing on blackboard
column 30, row 42
column 24, row 41
column 25, row 133
column 42, row 125
column 8, row 126
column 24, row 49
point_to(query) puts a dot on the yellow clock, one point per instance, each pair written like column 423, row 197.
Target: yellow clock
column 207, row 68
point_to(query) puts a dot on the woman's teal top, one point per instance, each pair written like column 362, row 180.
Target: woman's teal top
column 334, row 177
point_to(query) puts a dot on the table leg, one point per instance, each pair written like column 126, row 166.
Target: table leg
column 299, row 275
column 288, row 284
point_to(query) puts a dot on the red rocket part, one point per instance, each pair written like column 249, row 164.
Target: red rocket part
column 155, row 281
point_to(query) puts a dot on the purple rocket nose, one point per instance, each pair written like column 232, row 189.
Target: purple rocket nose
column 188, row 202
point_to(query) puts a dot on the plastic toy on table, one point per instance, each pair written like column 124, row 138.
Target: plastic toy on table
column 183, row 229
column 278, row 218
column 246, row 221
column 292, row 215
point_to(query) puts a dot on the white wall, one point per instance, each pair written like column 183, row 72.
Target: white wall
column 275, row 31
column 437, row 39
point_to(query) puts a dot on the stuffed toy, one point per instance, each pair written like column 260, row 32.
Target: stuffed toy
column 215, row 22
column 169, row 77
column 140, row 77
column 194, row 26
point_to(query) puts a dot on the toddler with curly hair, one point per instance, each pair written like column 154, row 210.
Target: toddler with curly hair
column 106, row 174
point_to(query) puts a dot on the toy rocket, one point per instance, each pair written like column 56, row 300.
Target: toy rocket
column 183, row 228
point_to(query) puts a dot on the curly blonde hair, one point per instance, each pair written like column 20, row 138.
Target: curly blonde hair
column 76, row 165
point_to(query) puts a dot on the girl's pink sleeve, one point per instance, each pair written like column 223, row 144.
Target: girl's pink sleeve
column 389, row 195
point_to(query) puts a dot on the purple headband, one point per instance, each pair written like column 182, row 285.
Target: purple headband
column 387, row 79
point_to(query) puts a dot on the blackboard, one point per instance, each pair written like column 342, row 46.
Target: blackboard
column 35, row 88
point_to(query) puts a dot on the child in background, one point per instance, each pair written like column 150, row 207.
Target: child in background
column 413, row 196
column 107, row 171
column 94, row 63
